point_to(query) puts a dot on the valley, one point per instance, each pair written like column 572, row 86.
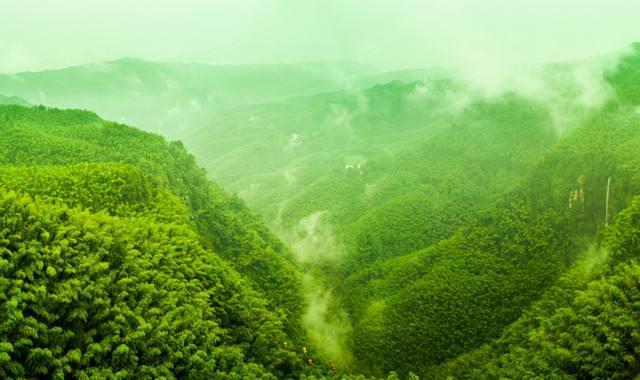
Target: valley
column 323, row 220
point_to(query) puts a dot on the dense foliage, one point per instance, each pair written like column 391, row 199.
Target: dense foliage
column 95, row 295
column 586, row 324
column 106, row 263
column 459, row 235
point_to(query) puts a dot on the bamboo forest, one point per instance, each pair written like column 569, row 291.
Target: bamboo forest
column 357, row 189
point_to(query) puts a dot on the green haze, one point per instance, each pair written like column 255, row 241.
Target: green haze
column 390, row 34
column 280, row 189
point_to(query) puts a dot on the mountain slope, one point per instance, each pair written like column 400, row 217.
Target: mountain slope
column 107, row 268
column 583, row 325
column 443, row 238
column 7, row 100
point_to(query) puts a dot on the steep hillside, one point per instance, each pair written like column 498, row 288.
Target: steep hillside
column 478, row 282
column 585, row 326
column 52, row 137
column 129, row 263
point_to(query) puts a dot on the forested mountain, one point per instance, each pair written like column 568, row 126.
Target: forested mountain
column 390, row 167
column 6, row 100
column 451, row 222
column 550, row 230
column 170, row 98
column 129, row 263
column 428, row 228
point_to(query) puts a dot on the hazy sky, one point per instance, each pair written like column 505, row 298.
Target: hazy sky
column 39, row 34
